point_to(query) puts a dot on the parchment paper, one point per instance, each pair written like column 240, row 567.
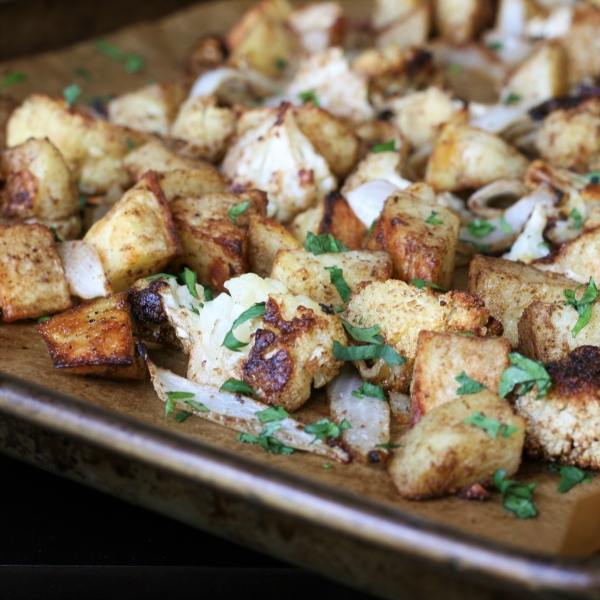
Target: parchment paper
column 567, row 523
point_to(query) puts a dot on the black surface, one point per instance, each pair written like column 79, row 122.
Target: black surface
column 61, row 540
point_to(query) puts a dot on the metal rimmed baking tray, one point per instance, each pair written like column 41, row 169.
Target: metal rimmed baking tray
column 347, row 522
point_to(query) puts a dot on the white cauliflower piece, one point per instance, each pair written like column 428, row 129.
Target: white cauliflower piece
column 368, row 199
column 318, row 26
column 377, row 165
column 531, row 244
column 341, row 91
column 278, row 158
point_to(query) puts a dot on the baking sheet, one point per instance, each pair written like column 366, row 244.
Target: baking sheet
column 567, row 524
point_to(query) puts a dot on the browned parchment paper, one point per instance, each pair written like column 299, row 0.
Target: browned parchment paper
column 567, row 523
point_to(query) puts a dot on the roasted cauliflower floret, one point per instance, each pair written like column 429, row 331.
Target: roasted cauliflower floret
column 318, row 26
column 563, row 425
column 464, row 157
column 93, row 149
column 278, row 158
column 379, row 165
column 402, row 311
column 289, row 348
column 206, row 128
column 341, row 91
column 571, row 138
column 443, row 454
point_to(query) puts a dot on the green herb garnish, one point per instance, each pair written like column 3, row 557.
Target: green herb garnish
column 525, row 372
column 468, row 385
column 323, row 243
column 454, row 69
column 385, row 147
column 495, row 46
column 190, row 278
column 421, row 283
column 230, row 341
column 129, row 143
column 84, row 74
column 337, row 278
column 388, row 446
column 237, row 386
column 431, row 219
column 370, row 390
column 483, row 248
column 327, row 465
column 504, row 224
column 57, row 237
column 280, row 64
column 182, row 416
column 171, row 397
column 159, row 275
column 208, row 293
column 491, row 426
column 234, row 211
column 197, row 405
column 71, row 93
column 132, row 63
column 12, row 79
column 512, row 98
column 42, row 319
column 309, row 95
column 479, row 228
column 275, row 413
column 583, row 306
column 369, row 335
column 577, row 219
column 516, row 496
column 325, row 428
column 570, row 476
column 371, row 352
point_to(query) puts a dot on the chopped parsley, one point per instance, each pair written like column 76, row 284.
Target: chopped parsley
column 495, row 46
column 479, row 228
column 325, row 428
column 577, row 219
column 491, row 426
column 516, row 496
column 431, row 219
column 371, row 228
column 159, row 275
column 42, row 319
column 370, row 390
column 421, row 283
column 467, row 385
column 280, row 64
column 504, row 224
column 71, row 93
column 57, row 237
column 323, row 243
column 129, row 143
column 132, row 63
column 524, row 372
column 369, row 335
column 230, row 341
column 190, row 278
column 171, row 397
column 388, row 446
column 197, row 405
column 512, row 98
column 237, row 386
column 385, row 147
column 483, row 248
column 311, row 96
column 237, row 210
column 337, row 278
column 583, row 306
column 371, row 352
column 84, row 74
column 266, row 440
column 454, row 69
column 208, row 293
column 12, row 79
column 182, row 416
column 327, row 465
column 593, row 177
column 570, row 476
column 269, row 415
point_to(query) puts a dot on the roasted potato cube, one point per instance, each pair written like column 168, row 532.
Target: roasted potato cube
column 334, row 216
column 542, row 76
column 155, row 156
column 464, row 157
column 306, row 274
column 563, row 425
column 192, row 183
column 571, row 138
column 410, row 30
column 94, row 339
column 38, row 184
column 442, row 357
column 265, row 238
column 152, row 108
column 331, row 138
column 507, row 288
column 583, row 43
column 137, row 237
column 402, row 312
column 213, row 245
column 388, row 11
column 421, row 238
column 207, row 53
column 262, row 40
column 460, row 21
column 205, row 128
column 93, row 149
column 32, row 280
column 545, row 330
column 443, row 455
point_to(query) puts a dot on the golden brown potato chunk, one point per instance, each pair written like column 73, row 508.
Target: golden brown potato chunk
column 410, row 30
column 583, row 43
column 443, row 455
column 94, row 339
column 507, row 288
column 421, row 237
column 93, row 149
column 137, row 237
column 192, row 183
column 38, row 185
column 545, row 330
column 152, row 108
column 459, row 21
column 32, row 280
column 442, row 357
column 307, row 275
column 464, row 157
column 265, row 238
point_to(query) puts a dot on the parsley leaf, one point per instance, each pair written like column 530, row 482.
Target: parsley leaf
column 71, row 93
column 275, row 413
column 56, row 236
column 280, row 64
column 182, row 416
column 512, row 98
column 479, row 228
column 84, row 74
column 468, row 385
column 129, row 143
column 266, row 440
column 577, row 219
column 197, row 405
column 593, row 177
column 524, row 371
column 327, row 465
column 208, row 293
column 516, row 496
column 465, row 333
column 504, row 224
column 570, row 476
column 230, row 341
column 134, row 63
column 483, row 248
column 12, row 79
column 384, row 351
column 337, row 278
column 159, row 275
column 431, row 220
column 386, row 147
column 583, row 306
column 42, row 319
column 246, row 438
column 370, row 390
column 171, row 397
column 237, row 387
column 309, row 95
column 371, row 228
column 323, row 243
column 368, row 335
column 495, row 46
column 388, row 446
column 325, row 428
column 421, row 283
column 491, row 426
column 234, row 211
column 190, row 278
column 454, row 69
